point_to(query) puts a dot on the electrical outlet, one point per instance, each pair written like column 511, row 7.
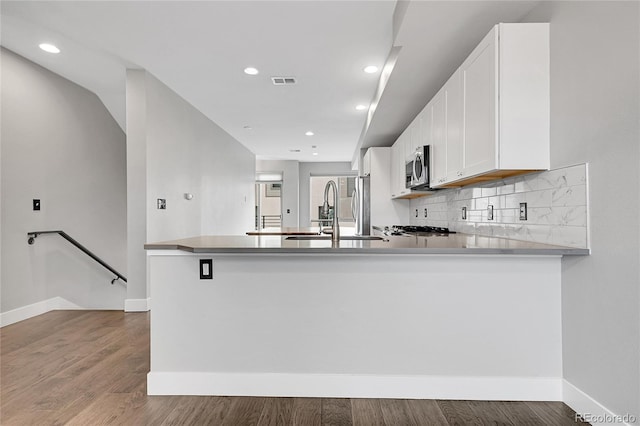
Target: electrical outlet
column 523, row 211
column 490, row 212
column 416, row 212
column 162, row 204
column 425, row 212
column 36, row 204
column 288, row 211
column 464, row 213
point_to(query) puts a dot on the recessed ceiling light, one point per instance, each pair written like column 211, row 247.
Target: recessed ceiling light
column 371, row 69
column 361, row 107
column 309, row 133
column 247, row 127
column 251, row 71
column 315, row 153
column 49, row 48
column 294, row 150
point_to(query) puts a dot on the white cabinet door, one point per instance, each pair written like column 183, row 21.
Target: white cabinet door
column 366, row 163
column 414, row 137
column 455, row 140
column 438, row 105
column 397, row 172
column 479, row 78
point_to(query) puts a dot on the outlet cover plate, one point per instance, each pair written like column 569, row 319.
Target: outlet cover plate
column 523, row 211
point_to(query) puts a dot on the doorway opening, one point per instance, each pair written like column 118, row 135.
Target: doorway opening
column 268, row 210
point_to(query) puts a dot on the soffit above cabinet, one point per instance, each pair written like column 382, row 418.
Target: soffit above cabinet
column 434, row 38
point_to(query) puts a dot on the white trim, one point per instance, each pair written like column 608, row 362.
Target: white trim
column 585, row 405
column 355, row 386
column 137, row 305
column 35, row 309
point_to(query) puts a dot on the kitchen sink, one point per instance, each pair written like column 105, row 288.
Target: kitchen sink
column 328, row 237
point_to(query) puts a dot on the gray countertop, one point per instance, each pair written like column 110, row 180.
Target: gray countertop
column 420, row 245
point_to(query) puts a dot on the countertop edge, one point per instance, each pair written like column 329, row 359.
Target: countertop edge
column 373, row 251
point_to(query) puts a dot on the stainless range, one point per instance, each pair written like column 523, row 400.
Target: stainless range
column 411, row 230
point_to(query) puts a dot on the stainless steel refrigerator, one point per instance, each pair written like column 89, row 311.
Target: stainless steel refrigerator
column 361, row 205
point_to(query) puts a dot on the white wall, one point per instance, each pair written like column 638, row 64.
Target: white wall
column 317, row 169
column 61, row 145
column 290, row 186
column 594, row 118
column 185, row 153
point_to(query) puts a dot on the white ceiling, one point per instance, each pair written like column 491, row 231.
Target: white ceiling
column 200, row 48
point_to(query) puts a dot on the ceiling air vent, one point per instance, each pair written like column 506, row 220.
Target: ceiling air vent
column 283, row 81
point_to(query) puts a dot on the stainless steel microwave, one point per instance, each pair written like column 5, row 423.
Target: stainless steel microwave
column 417, row 169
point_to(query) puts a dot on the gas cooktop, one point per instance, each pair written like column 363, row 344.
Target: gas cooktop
column 413, row 230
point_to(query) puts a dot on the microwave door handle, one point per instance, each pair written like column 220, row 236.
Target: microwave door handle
column 416, row 159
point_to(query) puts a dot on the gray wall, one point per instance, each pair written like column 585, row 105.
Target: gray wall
column 318, row 169
column 594, row 118
column 59, row 144
column 290, row 186
column 185, row 153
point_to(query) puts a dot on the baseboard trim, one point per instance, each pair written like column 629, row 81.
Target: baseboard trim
column 137, row 305
column 35, row 309
column 590, row 409
column 355, row 386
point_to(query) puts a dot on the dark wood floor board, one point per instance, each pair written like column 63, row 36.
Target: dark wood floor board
column 56, row 338
column 427, row 411
column 197, row 410
column 244, row 411
column 549, row 415
column 366, row 412
column 564, row 411
column 336, row 412
column 276, row 412
column 396, row 412
column 42, row 367
column 459, row 413
column 20, row 334
column 110, row 408
column 490, row 413
column 90, row 368
column 519, row 413
column 307, row 412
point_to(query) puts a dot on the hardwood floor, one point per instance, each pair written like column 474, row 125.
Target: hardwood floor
column 89, row 368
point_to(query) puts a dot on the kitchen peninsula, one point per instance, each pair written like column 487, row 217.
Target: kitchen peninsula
column 456, row 316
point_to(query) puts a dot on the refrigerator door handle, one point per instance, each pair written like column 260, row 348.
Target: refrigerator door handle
column 354, row 205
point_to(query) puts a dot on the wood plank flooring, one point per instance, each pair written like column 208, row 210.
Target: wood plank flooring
column 89, row 368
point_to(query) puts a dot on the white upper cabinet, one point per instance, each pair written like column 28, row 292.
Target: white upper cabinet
column 454, row 127
column 397, row 184
column 496, row 109
column 438, row 107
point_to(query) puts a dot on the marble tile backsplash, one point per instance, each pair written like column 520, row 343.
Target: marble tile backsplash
column 557, row 208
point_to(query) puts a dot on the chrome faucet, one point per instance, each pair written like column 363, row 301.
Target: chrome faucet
column 335, row 235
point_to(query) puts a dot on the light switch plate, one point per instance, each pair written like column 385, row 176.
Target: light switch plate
column 206, row 269
column 162, row 204
column 464, row 213
column 36, row 204
column 490, row 212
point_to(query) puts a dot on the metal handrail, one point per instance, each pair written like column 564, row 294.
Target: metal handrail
column 34, row 234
